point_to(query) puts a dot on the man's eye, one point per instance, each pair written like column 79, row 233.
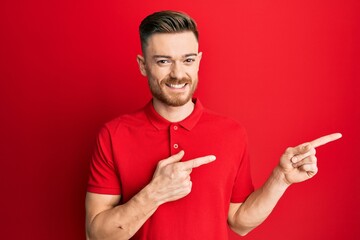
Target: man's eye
column 163, row 61
column 189, row 60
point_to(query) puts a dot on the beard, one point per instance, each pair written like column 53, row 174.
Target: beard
column 172, row 99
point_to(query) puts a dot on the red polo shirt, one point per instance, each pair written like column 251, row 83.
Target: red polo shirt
column 129, row 148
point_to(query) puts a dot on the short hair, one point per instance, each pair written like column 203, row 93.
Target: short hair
column 166, row 22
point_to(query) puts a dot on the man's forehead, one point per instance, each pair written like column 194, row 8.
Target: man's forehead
column 168, row 56
column 172, row 44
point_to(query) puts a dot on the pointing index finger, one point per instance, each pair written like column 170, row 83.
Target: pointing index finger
column 325, row 139
column 197, row 162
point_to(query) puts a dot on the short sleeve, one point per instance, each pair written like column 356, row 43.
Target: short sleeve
column 103, row 177
column 243, row 185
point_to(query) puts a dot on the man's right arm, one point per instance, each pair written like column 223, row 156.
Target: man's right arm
column 105, row 219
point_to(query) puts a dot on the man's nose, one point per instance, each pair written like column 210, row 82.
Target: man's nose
column 177, row 71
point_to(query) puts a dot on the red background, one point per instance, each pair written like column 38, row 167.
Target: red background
column 288, row 70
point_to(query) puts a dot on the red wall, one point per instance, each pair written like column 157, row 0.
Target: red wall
column 288, row 70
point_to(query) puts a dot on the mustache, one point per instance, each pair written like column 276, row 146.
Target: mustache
column 171, row 80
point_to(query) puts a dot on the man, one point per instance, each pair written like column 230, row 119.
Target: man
column 175, row 170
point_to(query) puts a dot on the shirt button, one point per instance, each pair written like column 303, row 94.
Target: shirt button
column 175, row 128
column 176, row 146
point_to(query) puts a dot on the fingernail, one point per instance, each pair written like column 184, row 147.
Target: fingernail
column 212, row 158
column 293, row 159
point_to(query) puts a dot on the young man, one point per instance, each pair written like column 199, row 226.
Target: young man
column 175, row 170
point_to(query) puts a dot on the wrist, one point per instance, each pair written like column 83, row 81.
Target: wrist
column 146, row 200
column 279, row 177
column 151, row 193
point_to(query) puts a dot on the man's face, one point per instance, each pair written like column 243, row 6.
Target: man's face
column 171, row 63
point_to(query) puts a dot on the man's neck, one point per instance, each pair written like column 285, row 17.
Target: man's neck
column 173, row 114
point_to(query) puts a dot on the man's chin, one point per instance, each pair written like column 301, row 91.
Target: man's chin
column 175, row 102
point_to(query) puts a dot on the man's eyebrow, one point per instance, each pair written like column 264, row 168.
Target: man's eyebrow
column 161, row 56
column 191, row 55
column 169, row 57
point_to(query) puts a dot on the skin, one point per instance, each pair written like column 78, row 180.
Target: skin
column 297, row 164
column 169, row 61
column 172, row 56
column 171, row 181
column 167, row 56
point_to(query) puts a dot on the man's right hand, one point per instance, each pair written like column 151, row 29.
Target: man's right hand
column 171, row 180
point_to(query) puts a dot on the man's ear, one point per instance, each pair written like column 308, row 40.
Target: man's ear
column 141, row 61
column 200, row 56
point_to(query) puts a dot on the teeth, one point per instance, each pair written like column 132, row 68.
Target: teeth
column 178, row 86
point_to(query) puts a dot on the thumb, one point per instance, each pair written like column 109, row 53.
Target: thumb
column 174, row 158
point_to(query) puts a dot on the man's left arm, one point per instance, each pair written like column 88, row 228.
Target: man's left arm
column 296, row 165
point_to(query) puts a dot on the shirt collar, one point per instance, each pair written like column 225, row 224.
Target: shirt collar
column 161, row 123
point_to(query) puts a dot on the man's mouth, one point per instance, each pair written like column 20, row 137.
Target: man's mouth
column 176, row 86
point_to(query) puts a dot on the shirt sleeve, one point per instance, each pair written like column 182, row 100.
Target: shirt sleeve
column 243, row 185
column 103, row 177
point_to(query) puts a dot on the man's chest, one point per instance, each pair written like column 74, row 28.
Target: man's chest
column 137, row 155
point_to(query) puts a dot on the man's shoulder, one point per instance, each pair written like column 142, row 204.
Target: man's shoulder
column 222, row 121
column 134, row 119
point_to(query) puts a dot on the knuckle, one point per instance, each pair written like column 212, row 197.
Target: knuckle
column 176, row 167
column 305, row 168
column 187, row 183
column 311, row 168
column 289, row 150
column 189, row 187
column 313, row 159
column 161, row 163
column 172, row 176
column 304, row 147
column 313, row 151
column 193, row 163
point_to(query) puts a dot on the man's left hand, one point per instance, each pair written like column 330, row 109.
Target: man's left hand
column 300, row 163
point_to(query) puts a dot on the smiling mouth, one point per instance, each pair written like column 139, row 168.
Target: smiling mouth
column 176, row 86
